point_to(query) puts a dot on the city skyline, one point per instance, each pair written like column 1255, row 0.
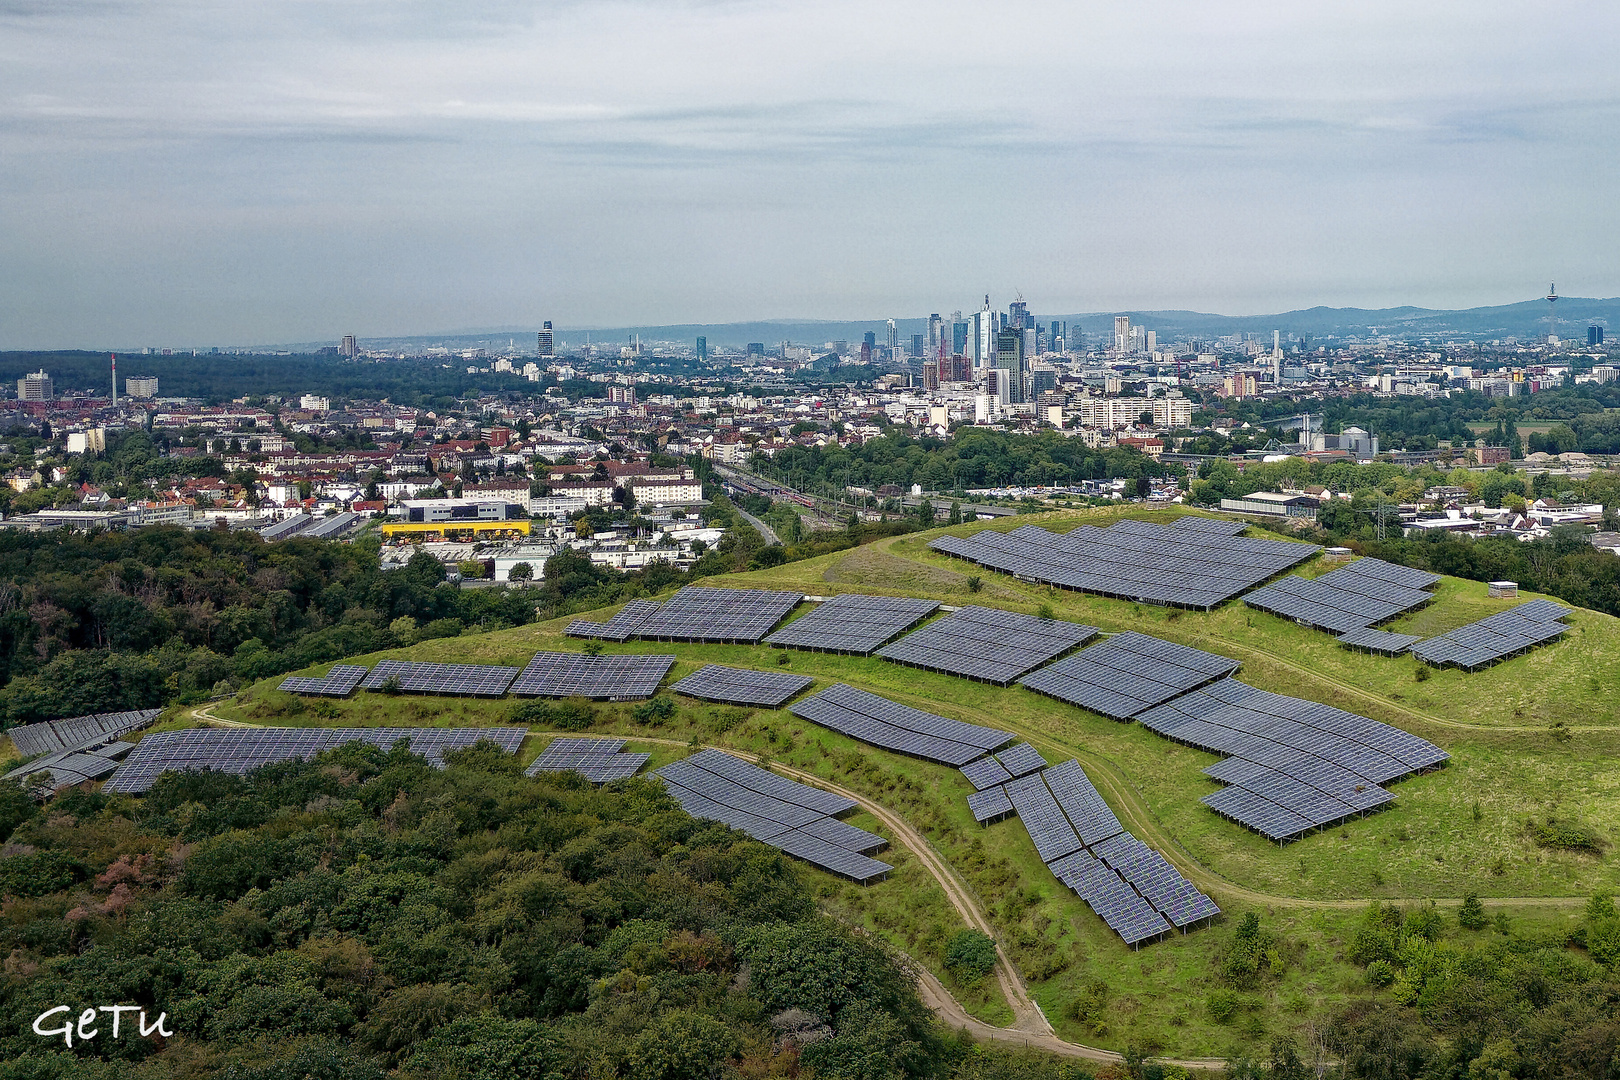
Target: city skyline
column 294, row 172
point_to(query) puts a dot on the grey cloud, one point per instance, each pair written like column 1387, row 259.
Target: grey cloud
column 645, row 160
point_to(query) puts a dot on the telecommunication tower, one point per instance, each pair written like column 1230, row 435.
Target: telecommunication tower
column 1552, row 298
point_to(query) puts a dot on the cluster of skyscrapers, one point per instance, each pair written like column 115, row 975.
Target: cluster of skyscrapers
column 995, row 348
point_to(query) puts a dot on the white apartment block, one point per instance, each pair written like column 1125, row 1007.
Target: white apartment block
column 1112, row 414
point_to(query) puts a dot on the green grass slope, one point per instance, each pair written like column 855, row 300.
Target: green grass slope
column 1531, row 739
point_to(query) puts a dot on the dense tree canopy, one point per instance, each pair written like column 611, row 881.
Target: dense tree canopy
column 971, row 458
column 365, row 912
column 133, row 619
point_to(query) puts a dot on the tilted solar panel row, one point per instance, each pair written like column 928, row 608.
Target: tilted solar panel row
column 1379, row 641
column 1262, row 815
column 1081, row 803
column 1128, row 914
column 699, row 807
column 986, row 773
column 610, row 678
column 987, row 644
column 621, row 627
column 768, row 783
column 843, row 834
column 860, row 726
column 240, row 751
column 892, row 712
column 989, row 804
column 1161, row 884
column 1127, row 674
column 1410, row 750
column 1297, row 765
column 740, row 686
column 817, row 838
column 67, row 767
column 831, row 857
column 78, row 731
column 1048, row 827
column 598, row 760
column 340, row 681
column 1193, row 566
column 466, row 680
column 1020, row 759
column 563, row 750
column 697, row 613
column 853, row 623
column 1364, row 593
column 1497, row 637
column 718, row 789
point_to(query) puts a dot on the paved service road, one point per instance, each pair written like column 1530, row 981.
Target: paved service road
column 764, row 530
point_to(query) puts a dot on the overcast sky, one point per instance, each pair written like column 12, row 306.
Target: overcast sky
column 193, row 173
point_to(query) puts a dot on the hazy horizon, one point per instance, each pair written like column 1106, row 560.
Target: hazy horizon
column 293, row 171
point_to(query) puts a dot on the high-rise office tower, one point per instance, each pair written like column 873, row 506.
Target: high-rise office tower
column 869, row 339
column 348, row 349
column 936, row 331
column 1152, row 343
column 1276, row 357
column 1032, row 343
column 1018, row 315
column 702, row 349
column 959, row 335
column 917, row 346
column 1122, row 333
column 1010, row 365
column 930, row 374
column 894, row 338
column 1594, row 335
column 543, row 340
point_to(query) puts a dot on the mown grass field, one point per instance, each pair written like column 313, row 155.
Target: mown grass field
column 1530, row 739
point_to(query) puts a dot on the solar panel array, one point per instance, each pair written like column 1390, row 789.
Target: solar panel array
column 63, row 768
column 340, row 681
column 993, row 770
column 987, row 644
column 990, row 804
column 1127, row 673
column 465, row 680
column 619, row 628
column 853, row 623
column 740, row 686
column 597, row 760
column 1192, row 562
column 1020, row 759
column 78, row 731
column 1361, row 594
column 1379, row 641
column 603, row 678
column 239, row 751
column 1294, row 765
column 695, row 613
column 1132, row 887
column 1505, row 634
column 897, row 727
column 795, row 818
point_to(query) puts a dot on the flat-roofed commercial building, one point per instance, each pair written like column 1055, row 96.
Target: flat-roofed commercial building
column 1274, row 504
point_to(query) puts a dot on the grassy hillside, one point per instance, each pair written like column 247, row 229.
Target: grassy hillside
column 1531, row 740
